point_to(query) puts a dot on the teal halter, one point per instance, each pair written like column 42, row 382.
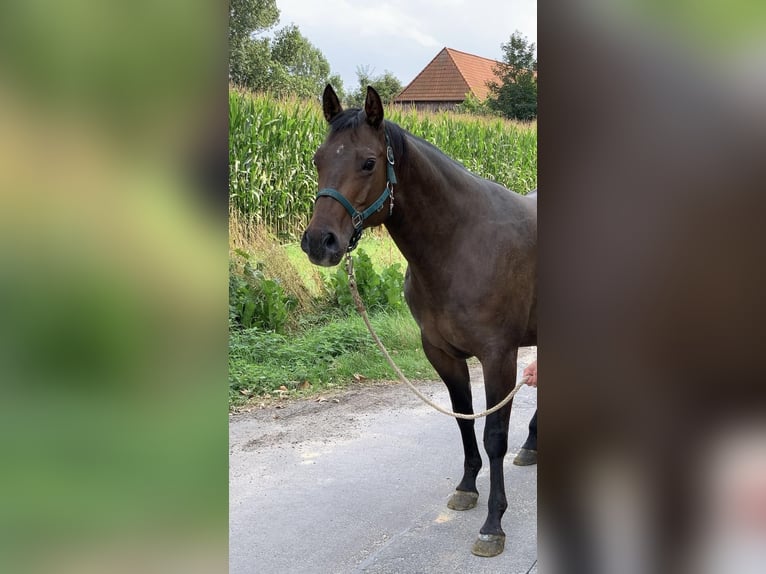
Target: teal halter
column 358, row 217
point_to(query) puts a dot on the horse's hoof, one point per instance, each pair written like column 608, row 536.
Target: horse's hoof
column 462, row 500
column 525, row 457
column 488, row 545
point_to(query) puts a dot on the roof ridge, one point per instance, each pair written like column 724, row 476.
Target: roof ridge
column 459, row 70
column 421, row 72
column 452, row 71
column 472, row 55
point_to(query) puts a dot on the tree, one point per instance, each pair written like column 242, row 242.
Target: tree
column 249, row 57
column 300, row 68
column 472, row 105
column 247, row 17
column 387, row 85
column 286, row 64
column 516, row 96
column 250, row 63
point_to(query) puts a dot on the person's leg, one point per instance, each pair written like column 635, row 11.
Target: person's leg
column 528, row 453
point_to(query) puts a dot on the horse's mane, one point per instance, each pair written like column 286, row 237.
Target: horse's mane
column 354, row 117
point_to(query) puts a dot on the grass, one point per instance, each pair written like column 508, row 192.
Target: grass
column 376, row 243
column 322, row 356
column 322, row 347
column 251, row 242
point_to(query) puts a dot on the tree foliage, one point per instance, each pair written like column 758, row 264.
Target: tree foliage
column 248, row 17
column 515, row 96
column 474, row 106
column 285, row 64
column 298, row 67
column 387, row 85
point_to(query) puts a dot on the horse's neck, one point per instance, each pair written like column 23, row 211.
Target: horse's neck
column 428, row 207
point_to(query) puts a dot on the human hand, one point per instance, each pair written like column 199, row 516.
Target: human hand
column 531, row 372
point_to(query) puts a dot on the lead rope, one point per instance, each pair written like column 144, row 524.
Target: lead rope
column 360, row 308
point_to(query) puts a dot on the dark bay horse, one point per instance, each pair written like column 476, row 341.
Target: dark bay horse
column 471, row 282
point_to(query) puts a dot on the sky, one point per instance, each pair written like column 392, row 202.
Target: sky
column 403, row 36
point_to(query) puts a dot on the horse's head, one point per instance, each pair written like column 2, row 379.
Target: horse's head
column 355, row 178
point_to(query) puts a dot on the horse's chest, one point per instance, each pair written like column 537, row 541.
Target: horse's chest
column 443, row 318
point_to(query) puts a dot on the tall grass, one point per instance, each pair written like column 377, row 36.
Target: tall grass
column 250, row 242
column 271, row 143
column 333, row 353
column 493, row 148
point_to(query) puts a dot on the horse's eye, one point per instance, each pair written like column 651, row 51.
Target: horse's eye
column 369, row 165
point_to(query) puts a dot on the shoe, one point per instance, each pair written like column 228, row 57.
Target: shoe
column 525, row 457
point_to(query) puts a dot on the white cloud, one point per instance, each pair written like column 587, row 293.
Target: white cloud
column 402, row 36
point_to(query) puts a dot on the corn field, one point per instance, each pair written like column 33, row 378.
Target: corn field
column 271, row 143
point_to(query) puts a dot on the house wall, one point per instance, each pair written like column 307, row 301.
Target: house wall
column 429, row 106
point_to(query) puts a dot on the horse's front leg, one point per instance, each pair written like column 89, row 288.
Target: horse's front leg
column 499, row 380
column 454, row 373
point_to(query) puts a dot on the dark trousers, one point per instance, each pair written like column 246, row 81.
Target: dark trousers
column 531, row 443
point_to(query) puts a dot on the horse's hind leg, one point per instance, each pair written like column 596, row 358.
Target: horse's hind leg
column 454, row 373
column 499, row 379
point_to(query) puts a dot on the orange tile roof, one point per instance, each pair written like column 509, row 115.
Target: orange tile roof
column 450, row 76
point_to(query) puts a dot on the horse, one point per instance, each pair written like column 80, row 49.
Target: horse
column 471, row 279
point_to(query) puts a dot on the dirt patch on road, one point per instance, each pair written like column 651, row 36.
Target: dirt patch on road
column 327, row 416
column 336, row 413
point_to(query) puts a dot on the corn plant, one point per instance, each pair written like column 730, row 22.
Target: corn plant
column 271, row 143
column 270, row 148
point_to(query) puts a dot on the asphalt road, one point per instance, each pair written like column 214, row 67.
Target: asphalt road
column 359, row 482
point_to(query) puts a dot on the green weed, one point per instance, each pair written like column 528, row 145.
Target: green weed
column 256, row 301
column 335, row 353
column 379, row 291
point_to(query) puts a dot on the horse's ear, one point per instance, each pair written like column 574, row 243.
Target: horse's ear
column 330, row 103
column 373, row 107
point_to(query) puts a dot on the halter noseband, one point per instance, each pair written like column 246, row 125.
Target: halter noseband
column 358, row 217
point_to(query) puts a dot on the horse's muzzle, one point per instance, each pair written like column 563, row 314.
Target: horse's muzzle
column 322, row 247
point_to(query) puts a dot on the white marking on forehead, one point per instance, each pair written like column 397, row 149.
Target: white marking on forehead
column 340, row 149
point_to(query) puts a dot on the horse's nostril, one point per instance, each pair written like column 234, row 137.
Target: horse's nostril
column 330, row 241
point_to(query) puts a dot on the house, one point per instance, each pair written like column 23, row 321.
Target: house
column 447, row 79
